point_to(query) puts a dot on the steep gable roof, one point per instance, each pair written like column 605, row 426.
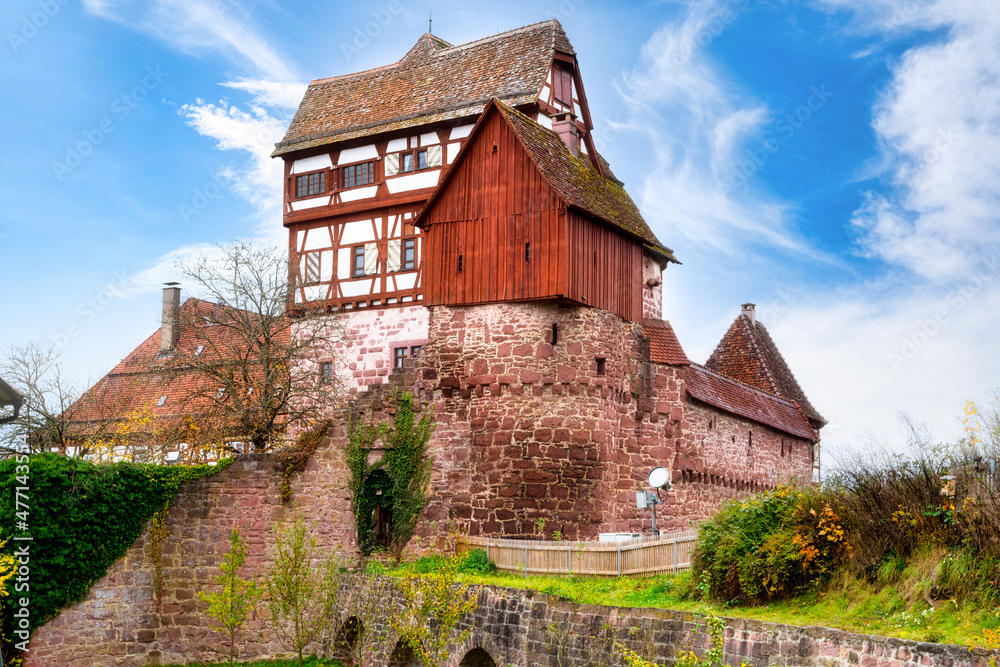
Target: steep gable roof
column 574, row 178
column 748, row 354
column 664, row 348
column 727, row 394
column 434, row 81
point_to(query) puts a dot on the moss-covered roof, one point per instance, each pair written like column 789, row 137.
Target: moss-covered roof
column 578, row 182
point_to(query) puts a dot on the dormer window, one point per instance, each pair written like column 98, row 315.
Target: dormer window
column 201, row 348
column 163, row 399
column 310, row 185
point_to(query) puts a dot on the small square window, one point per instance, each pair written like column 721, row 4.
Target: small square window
column 409, row 254
column 415, row 350
column 358, row 261
column 310, row 185
column 399, row 356
column 163, row 399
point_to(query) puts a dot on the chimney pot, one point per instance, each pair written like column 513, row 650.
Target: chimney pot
column 170, row 326
column 750, row 312
column 564, row 124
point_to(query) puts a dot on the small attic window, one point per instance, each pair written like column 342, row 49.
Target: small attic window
column 221, row 392
column 201, row 348
column 163, row 399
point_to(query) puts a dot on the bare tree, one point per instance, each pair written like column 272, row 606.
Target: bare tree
column 34, row 371
column 258, row 367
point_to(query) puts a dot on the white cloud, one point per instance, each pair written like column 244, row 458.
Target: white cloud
column 194, row 26
column 284, row 95
column 702, row 129
column 938, row 123
column 254, row 133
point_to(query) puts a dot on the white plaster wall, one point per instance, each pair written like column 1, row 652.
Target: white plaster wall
column 364, row 356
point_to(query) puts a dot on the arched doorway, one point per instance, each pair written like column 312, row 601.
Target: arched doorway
column 346, row 641
column 477, row 657
column 402, row 656
column 377, row 510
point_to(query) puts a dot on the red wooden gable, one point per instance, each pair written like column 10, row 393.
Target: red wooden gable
column 498, row 230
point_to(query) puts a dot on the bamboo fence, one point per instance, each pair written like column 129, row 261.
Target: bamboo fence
column 670, row 552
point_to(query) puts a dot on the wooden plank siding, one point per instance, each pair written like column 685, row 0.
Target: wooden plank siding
column 605, row 269
column 495, row 202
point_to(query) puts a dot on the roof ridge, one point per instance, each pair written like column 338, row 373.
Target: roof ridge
column 483, row 40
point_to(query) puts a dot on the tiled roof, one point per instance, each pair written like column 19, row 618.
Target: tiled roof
column 747, row 354
column 664, row 348
column 434, row 81
column 143, row 377
column 577, row 181
column 726, row 394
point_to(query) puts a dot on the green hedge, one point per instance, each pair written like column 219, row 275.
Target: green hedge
column 82, row 518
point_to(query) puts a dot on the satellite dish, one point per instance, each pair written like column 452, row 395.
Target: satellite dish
column 659, row 478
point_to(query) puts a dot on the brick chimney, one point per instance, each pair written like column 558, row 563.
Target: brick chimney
column 170, row 326
column 750, row 312
column 564, row 124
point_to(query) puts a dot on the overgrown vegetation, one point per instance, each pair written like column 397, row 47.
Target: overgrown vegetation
column 231, row 607
column 398, row 482
column 301, row 596
column 81, row 517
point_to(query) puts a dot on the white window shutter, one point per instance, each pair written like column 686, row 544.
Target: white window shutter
column 392, row 164
column 393, row 262
column 371, row 259
column 434, row 156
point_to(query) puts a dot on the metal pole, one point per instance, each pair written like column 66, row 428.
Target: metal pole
column 656, row 533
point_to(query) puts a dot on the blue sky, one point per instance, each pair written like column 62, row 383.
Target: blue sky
column 834, row 161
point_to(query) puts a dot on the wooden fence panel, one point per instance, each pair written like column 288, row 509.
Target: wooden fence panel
column 666, row 553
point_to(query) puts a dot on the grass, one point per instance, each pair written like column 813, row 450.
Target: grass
column 896, row 609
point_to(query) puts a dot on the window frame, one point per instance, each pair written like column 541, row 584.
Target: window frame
column 342, row 174
column 325, row 177
column 399, row 360
column 325, row 373
column 410, row 265
column 413, row 154
column 356, row 271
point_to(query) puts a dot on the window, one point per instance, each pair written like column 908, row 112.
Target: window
column 399, row 356
column 358, row 261
column 163, row 399
column 460, row 264
column 309, row 185
column 527, row 252
column 358, row 174
column 201, row 348
column 326, row 372
column 409, row 254
column 555, row 334
column 415, row 350
column 222, row 392
column 414, row 161
column 312, row 267
column 602, row 366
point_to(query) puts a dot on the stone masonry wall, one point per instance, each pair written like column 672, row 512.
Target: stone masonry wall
column 509, row 627
column 363, row 356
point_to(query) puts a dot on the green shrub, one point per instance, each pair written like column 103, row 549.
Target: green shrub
column 82, row 518
column 477, row 561
column 774, row 544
